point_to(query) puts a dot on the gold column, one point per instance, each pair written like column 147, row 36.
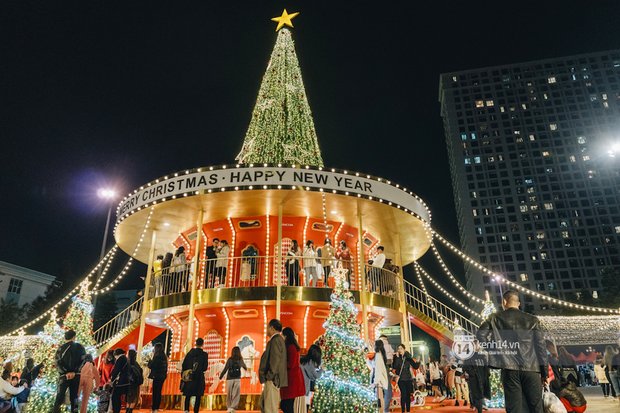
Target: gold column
column 404, row 330
column 192, row 299
column 147, row 288
column 362, row 275
column 279, row 264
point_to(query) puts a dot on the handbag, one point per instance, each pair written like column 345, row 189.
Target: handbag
column 551, row 403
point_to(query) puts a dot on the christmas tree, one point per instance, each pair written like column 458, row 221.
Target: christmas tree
column 281, row 129
column 43, row 394
column 344, row 387
column 79, row 319
column 497, row 390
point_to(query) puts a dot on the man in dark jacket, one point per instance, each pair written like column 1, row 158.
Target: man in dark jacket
column 272, row 371
column 69, row 358
column 198, row 361
column 119, row 379
column 211, row 256
column 514, row 341
column 475, row 367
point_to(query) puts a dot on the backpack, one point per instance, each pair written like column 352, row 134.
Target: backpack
column 235, row 370
column 65, row 359
column 136, row 377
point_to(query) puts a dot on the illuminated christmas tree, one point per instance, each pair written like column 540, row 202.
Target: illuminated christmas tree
column 497, row 390
column 79, row 319
column 43, row 393
column 344, row 387
column 281, row 129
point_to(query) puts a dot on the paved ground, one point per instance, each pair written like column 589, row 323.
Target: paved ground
column 596, row 404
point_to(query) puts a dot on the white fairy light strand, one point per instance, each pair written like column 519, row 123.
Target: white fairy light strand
column 516, row 286
column 448, row 294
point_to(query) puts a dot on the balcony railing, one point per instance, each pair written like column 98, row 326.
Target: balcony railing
column 262, row 271
column 116, row 327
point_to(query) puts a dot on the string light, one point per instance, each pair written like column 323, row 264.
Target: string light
column 232, row 252
column 306, row 327
column 518, row 287
column 267, row 254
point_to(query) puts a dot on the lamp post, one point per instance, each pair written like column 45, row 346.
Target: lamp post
column 108, row 195
column 498, row 280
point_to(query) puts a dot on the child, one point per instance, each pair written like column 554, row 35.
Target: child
column 104, row 398
column 22, row 398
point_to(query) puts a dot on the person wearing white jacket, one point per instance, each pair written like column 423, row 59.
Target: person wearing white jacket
column 379, row 372
column 310, row 263
column 6, row 390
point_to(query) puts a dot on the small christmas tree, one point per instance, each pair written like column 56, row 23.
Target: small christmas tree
column 497, row 390
column 281, row 129
column 43, row 394
column 79, row 319
column 344, row 387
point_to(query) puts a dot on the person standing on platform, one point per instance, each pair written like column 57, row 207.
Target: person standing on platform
column 120, row 379
column 180, row 270
column 211, row 253
column 344, row 255
column 159, row 372
column 326, row 253
column 272, row 372
column 165, row 273
column 68, row 361
column 88, row 374
column 222, row 262
column 233, row 367
column 310, row 264
column 198, row 361
column 374, row 279
column 292, row 264
column 157, row 276
column 522, row 355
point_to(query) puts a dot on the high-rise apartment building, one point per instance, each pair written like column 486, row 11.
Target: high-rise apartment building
column 536, row 183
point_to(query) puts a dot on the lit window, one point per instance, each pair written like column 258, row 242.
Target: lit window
column 524, row 277
column 586, row 157
column 604, row 96
column 467, row 161
column 617, row 230
column 551, row 80
column 479, row 104
column 474, row 212
column 473, row 136
column 477, row 159
column 502, row 109
column 548, row 205
column 581, row 140
column 534, row 207
column 530, row 190
column 573, row 159
column 545, row 153
column 454, row 78
column 606, row 106
column 491, row 159
column 540, row 235
column 565, row 234
column 543, row 255
column 473, row 195
column 500, row 157
column 524, row 106
column 523, row 208
column 532, row 199
column 553, row 126
column 464, row 137
column 545, row 96
column 517, row 132
column 532, row 138
column 489, row 103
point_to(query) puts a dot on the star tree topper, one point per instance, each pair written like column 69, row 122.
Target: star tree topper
column 284, row 19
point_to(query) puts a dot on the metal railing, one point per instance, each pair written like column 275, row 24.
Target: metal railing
column 116, row 327
column 436, row 310
column 262, row 271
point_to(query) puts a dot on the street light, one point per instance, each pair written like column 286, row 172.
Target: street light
column 108, row 195
column 498, row 280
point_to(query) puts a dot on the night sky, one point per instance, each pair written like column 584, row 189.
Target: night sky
column 106, row 93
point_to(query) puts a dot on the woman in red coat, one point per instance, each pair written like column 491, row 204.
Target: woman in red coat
column 296, row 387
column 105, row 368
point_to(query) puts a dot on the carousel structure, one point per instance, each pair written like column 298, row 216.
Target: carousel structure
column 261, row 238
